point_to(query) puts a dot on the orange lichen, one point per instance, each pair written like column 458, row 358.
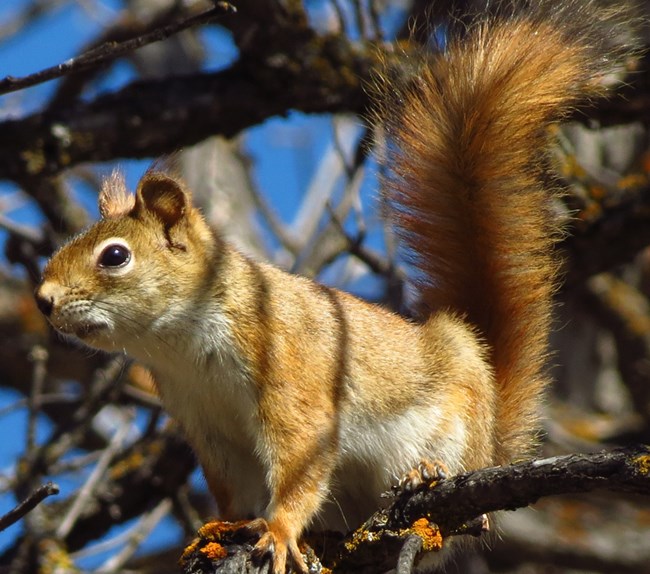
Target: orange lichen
column 134, row 460
column 127, row 465
column 210, row 536
column 214, row 551
column 571, row 168
column 217, row 529
column 429, row 533
column 34, row 159
column 597, row 191
column 54, row 558
column 590, row 212
column 643, row 464
column 190, row 549
column 632, row 181
column 358, row 537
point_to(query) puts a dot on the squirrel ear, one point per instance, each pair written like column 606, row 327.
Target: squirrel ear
column 163, row 196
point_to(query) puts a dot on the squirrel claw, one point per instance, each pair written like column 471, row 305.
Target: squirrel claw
column 264, row 549
column 270, row 547
column 426, row 472
column 485, row 523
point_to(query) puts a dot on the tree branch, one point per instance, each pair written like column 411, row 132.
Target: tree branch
column 110, row 51
column 154, row 117
column 27, row 505
column 301, row 71
column 447, row 507
column 614, row 236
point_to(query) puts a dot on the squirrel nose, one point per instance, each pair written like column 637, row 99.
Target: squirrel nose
column 44, row 302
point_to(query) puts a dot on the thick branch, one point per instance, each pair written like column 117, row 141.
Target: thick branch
column 307, row 72
column 454, row 505
column 455, row 501
column 154, row 117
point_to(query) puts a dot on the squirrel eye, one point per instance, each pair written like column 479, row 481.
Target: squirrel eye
column 114, row 255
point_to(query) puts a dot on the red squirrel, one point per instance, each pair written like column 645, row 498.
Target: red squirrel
column 304, row 403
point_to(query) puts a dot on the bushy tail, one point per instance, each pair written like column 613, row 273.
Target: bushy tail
column 465, row 161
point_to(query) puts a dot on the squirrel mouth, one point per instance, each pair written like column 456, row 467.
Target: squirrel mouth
column 79, row 329
column 87, row 329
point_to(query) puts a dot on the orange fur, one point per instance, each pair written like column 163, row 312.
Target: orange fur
column 304, row 403
column 115, row 199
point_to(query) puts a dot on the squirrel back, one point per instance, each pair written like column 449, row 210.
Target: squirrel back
column 466, row 180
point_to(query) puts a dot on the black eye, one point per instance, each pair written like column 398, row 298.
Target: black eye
column 114, row 255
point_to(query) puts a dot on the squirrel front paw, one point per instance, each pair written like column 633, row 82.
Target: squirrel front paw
column 427, row 472
column 275, row 546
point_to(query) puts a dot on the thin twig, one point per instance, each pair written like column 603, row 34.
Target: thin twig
column 39, row 356
column 102, row 386
column 278, row 228
column 354, row 170
column 109, row 51
column 33, row 236
column 76, row 464
column 323, row 184
column 314, row 246
column 140, row 397
column 88, row 488
column 139, row 533
column 104, row 546
column 27, row 505
column 185, row 512
column 48, row 399
column 340, row 16
column 360, row 18
column 375, row 20
column 412, row 545
column 375, row 261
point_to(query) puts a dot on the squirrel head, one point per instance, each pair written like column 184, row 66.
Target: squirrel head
column 133, row 270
